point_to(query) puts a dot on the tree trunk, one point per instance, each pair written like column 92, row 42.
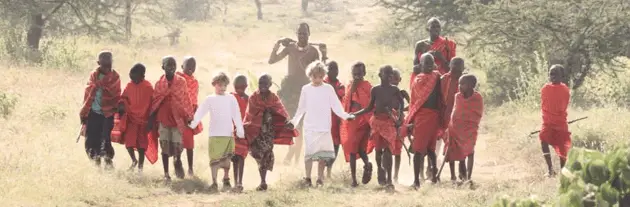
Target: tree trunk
column 35, row 31
column 128, row 19
column 259, row 8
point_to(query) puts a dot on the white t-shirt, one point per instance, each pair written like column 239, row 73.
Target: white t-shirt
column 316, row 102
column 224, row 116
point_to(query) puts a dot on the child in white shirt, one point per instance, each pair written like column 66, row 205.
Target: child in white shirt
column 316, row 101
column 224, row 116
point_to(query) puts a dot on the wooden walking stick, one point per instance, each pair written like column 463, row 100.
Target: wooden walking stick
column 569, row 122
column 448, row 149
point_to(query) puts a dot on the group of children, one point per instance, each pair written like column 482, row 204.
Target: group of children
column 441, row 106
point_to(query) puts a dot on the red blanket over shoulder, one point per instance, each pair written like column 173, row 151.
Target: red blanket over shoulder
column 253, row 118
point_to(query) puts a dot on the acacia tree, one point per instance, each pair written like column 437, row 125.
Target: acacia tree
column 414, row 13
column 102, row 18
column 586, row 36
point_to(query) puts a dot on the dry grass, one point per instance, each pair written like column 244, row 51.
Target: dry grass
column 42, row 166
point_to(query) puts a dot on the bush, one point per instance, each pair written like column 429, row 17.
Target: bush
column 7, row 104
column 591, row 178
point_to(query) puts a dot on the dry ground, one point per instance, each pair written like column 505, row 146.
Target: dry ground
column 42, row 166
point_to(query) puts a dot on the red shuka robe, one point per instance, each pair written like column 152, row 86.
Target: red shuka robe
column 110, row 83
column 449, row 87
column 242, row 146
column 447, row 48
column 253, row 119
column 462, row 130
column 555, row 129
column 336, row 121
column 137, row 101
column 383, row 134
column 188, row 137
column 355, row 134
column 171, row 96
column 426, row 121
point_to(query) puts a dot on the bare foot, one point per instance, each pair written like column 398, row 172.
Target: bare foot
column 416, row 185
column 261, row 187
column 367, row 173
column 191, row 173
column 237, row 189
column 226, row 184
column 214, row 188
column 319, row 182
column 354, row 184
column 307, row 183
column 133, row 165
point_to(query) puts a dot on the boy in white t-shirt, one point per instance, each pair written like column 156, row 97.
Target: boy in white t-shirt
column 224, row 116
column 316, row 101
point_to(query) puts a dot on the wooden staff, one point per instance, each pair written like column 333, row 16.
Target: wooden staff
column 570, row 122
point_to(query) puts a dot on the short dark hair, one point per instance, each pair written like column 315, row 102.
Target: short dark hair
column 138, row 68
column 305, row 25
column 361, row 65
column 332, row 64
column 469, row 77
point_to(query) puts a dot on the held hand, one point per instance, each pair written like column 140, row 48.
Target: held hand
column 83, row 120
column 285, row 41
column 409, row 128
column 289, row 125
column 240, row 135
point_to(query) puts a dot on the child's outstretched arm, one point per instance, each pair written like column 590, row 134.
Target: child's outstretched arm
column 335, row 105
column 370, row 106
column 301, row 109
column 200, row 113
column 236, row 117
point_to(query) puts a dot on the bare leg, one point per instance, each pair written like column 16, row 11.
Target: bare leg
column 451, row 166
column 380, row 172
column 215, row 171
column 320, row 172
column 263, row 179
column 353, row 169
column 140, row 159
column 367, row 168
column 545, row 150
column 433, row 158
column 331, row 162
column 132, row 154
column 308, row 166
column 462, row 170
column 235, row 165
column 471, row 162
column 241, row 170
column 387, row 164
column 562, row 162
column 226, row 175
column 179, row 168
column 165, row 165
column 396, row 167
column 189, row 156
column 418, row 162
